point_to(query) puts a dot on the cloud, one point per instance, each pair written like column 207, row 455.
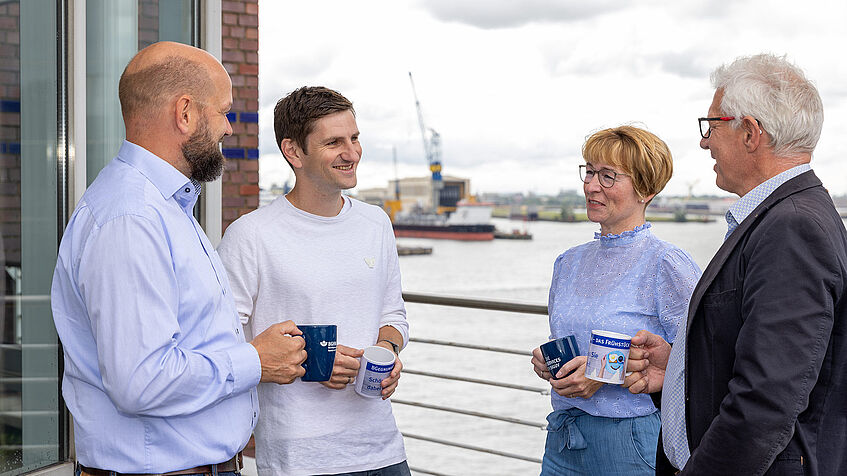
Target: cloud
column 492, row 15
column 687, row 64
column 832, row 90
column 309, row 64
column 514, row 87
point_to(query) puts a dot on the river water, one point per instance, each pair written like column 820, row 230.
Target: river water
column 512, row 270
column 509, row 270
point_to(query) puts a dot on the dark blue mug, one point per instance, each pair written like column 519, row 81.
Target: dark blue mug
column 558, row 352
column 320, row 351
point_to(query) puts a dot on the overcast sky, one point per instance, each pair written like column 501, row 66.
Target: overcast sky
column 515, row 87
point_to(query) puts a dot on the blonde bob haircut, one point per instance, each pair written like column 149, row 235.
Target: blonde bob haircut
column 638, row 153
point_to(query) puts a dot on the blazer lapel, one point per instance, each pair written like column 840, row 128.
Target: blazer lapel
column 801, row 182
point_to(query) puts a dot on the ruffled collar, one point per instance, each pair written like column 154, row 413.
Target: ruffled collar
column 625, row 237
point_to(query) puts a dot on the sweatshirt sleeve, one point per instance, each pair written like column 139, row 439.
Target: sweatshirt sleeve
column 393, row 307
column 237, row 250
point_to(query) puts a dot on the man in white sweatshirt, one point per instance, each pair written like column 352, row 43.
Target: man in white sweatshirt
column 315, row 256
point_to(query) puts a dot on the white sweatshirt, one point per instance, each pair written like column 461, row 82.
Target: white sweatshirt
column 284, row 263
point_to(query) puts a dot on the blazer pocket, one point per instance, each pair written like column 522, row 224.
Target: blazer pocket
column 719, row 299
column 788, row 463
column 786, row 466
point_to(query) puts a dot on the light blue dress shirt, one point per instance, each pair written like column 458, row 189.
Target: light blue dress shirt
column 621, row 283
column 745, row 205
column 158, row 376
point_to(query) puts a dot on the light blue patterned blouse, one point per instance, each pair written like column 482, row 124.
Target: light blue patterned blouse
column 621, row 283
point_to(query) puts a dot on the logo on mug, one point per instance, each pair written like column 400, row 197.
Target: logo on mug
column 615, row 361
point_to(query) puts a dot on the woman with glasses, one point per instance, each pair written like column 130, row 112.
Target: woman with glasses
column 624, row 280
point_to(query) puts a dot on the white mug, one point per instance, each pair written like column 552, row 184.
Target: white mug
column 607, row 356
column 374, row 366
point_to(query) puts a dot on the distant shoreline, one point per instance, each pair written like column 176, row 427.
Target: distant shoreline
column 555, row 216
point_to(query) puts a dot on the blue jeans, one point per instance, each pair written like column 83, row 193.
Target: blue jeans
column 582, row 444
column 399, row 469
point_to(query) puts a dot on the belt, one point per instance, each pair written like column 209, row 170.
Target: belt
column 236, row 463
column 563, row 422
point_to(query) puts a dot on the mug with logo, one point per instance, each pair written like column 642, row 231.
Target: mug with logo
column 558, row 352
column 320, row 351
column 607, row 355
column 374, row 367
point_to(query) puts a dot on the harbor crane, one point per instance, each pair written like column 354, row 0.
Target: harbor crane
column 432, row 151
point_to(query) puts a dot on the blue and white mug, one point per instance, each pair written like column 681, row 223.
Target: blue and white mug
column 374, row 366
column 320, row 351
column 558, row 352
column 607, row 356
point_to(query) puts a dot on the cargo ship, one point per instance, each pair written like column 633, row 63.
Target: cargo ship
column 471, row 221
column 448, row 217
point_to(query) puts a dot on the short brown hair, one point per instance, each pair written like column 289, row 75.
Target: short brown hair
column 640, row 154
column 295, row 114
column 146, row 90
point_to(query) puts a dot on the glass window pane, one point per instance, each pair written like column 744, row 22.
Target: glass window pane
column 29, row 212
column 32, row 191
column 169, row 20
column 111, row 41
column 115, row 31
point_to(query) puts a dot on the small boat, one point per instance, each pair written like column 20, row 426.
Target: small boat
column 523, row 212
column 514, row 235
column 413, row 250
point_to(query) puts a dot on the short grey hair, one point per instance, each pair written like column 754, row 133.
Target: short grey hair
column 778, row 95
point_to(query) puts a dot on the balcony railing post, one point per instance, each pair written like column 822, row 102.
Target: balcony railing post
column 488, row 305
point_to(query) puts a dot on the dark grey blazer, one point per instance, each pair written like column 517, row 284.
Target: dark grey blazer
column 766, row 349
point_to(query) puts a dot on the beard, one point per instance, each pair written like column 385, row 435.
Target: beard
column 203, row 154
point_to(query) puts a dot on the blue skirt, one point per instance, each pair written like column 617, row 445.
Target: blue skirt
column 582, row 444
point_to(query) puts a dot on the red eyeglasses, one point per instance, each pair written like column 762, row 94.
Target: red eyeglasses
column 706, row 128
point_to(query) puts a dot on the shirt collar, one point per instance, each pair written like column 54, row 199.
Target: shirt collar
column 165, row 177
column 741, row 209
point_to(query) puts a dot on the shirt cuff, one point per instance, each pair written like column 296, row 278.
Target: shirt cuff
column 246, row 367
column 404, row 334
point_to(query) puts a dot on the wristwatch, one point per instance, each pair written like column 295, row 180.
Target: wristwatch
column 394, row 346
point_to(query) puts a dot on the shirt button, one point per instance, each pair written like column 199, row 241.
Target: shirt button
column 187, row 190
column 236, row 330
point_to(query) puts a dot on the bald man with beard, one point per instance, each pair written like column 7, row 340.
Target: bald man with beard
column 158, row 375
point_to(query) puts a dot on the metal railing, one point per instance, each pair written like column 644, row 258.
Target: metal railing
column 472, row 303
column 488, row 305
column 28, row 298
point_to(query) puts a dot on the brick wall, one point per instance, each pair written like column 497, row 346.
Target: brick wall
column 240, row 57
column 10, row 134
column 240, row 38
column 240, row 41
column 10, row 213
